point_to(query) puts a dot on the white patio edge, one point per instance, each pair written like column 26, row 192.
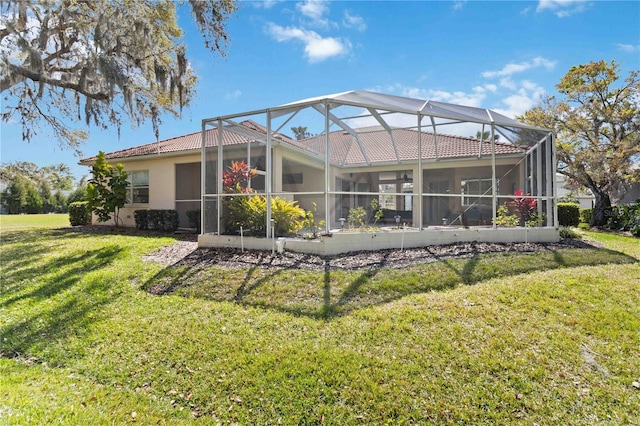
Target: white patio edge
column 338, row 242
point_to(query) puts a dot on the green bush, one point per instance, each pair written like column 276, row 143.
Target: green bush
column 625, row 218
column 568, row 214
column 79, row 213
column 250, row 213
column 194, row 218
column 505, row 218
column 586, row 215
column 156, row 220
column 568, row 232
column 141, row 217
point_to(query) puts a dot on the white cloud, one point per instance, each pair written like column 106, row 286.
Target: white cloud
column 515, row 68
column 266, row 4
column 315, row 10
column 233, row 95
column 525, row 98
column 458, row 4
column 356, row 22
column 629, row 48
column 316, row 48
column 563, row 8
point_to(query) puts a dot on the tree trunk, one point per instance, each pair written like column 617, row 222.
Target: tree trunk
column 601, row 208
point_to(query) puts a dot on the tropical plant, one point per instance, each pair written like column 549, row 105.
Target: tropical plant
column 524, row 206
column 236, row 178
column 250, row 213
column 359, row 217
column 311, row 223
column 505, row 218
column 107, row 189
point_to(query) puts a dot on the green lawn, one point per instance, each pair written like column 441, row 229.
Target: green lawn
column 550, row 338
column 18, row 221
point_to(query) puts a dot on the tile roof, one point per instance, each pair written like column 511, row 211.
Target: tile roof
column 345, row 149
column 379, row 146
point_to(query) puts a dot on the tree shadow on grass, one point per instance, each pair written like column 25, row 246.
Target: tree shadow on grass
column 335, row 292
column 69, row 308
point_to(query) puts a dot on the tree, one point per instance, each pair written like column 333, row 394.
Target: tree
column 597, row 124
column 57, row 177
column 14, row 197
column 22, row 196
column 300, row 132
column 486, row 135
column 59, row 202
column 79, row 194
column 99, row 60
column 107, row 189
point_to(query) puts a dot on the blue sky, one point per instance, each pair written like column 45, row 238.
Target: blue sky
column 502, row 55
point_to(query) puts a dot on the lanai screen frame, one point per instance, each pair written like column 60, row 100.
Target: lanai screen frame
column 436, row 114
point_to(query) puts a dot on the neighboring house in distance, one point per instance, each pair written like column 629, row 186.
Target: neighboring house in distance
column 585, row 199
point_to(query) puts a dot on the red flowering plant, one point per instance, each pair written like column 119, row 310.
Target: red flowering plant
column 525, row 208
column 235, row 179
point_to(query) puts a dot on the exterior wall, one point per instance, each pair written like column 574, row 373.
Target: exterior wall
column 162, row 184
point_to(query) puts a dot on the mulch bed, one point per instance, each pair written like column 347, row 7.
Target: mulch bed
column 185, row 252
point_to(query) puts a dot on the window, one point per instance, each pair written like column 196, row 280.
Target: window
column 138, row 189
column 472, row 189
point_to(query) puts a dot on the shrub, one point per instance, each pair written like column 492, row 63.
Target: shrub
column 568, row 214
column 586, row 215
column 625, row 218
column 157, row 220
column 568, row 232
column 358, row 216
column 194, row 218
column 505, row 218
column 79, row 213
column 251, row 214
column 141, row 217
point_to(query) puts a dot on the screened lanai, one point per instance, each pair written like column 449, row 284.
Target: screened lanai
column 431, row 169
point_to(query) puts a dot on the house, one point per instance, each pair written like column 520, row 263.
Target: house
column 407, row 155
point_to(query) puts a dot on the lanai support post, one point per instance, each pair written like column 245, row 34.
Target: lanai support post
column 539, row 176
column 220, row 173
column 203, row 174
column 327, row 183
column 420, row 173
column 551, row 180
column 494, row 181
column 269, row 177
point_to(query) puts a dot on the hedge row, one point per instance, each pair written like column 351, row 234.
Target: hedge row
column 625, row 218
column 586, row 215
column 156, row 220
column 568, row 214
column 79, row 213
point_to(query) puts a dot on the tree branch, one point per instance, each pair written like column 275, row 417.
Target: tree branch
column 16, row 71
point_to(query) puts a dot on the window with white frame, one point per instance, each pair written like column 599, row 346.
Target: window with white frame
column 472, row 189
column 138, row 188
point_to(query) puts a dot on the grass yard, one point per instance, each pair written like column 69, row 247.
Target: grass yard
column 548, row 338
column 21, row 221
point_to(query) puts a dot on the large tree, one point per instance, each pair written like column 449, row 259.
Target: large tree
column 56, row 176
column 597, row 123
column 101, row 61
